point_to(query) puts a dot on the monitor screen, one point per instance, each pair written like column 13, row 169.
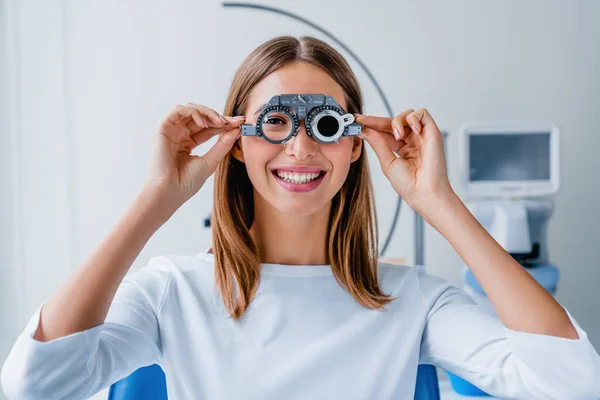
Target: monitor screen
column 509, row 157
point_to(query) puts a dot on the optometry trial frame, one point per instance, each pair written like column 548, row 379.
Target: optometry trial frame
column 323, row 117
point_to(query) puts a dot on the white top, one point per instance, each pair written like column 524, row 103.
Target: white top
column 303, row 337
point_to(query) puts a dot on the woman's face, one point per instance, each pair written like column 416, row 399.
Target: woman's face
column 265, row 160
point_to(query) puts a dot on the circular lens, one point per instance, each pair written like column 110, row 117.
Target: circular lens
column 325, row 124
column 276, row 125
column 328, row 125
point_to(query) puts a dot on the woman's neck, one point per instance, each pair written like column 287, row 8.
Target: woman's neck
column 290, row 239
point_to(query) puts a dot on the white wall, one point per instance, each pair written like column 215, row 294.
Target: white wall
column 88, row 82
column 7, row 242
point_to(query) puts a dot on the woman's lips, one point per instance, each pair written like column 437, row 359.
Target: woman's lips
column 299, row 187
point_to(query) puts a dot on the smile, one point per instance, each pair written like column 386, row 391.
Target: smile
column 298, row 182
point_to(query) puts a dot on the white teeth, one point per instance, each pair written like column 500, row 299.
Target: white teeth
column 297, row 178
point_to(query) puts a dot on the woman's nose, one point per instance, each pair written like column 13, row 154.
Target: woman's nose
column 302, row 145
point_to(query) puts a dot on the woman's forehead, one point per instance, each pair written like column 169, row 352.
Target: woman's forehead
column 292, row 79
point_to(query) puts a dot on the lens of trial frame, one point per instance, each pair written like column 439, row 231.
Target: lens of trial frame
column 276, row 125
column 328, row 125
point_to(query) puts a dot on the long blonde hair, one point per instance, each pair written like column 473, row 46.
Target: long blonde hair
column 352, row 229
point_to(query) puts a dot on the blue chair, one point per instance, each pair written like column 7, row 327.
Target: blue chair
column 148, row 383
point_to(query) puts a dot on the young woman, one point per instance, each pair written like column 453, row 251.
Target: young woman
column 290, row 302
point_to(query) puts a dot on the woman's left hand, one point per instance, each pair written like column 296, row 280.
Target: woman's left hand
column 410, row 149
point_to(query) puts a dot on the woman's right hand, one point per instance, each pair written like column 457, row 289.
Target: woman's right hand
column 172, row 166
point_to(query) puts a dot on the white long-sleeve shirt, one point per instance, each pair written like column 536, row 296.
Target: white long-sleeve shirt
column 302, row 337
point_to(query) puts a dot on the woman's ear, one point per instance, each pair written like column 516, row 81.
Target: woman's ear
column 236, row 150
column 357, row 146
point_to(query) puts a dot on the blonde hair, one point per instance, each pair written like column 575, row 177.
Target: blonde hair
column 352, row 228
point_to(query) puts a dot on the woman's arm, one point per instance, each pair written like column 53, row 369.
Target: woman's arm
column 414, row 162
column 175, row 175
column 536, row 349
column 82, row 302
column 519, row 300
column 68, row 349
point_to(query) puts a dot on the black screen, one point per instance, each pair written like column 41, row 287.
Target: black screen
column 509, row 157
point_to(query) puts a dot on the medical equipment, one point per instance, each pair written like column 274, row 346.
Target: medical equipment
column 509, row 160
column 507, row 169
column 323, row 117
column 507, row 172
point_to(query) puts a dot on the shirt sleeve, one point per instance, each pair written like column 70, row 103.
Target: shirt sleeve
column 79, row 365
column 462, row 338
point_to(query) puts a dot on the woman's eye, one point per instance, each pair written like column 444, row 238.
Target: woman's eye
column 274, row 121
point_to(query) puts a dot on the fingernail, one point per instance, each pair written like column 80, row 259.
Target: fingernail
column 240, row 117
column 239, row 135
column 361, row 137
column 231, row 120
column 415, row 130
column 204, row 121
column 396, row 133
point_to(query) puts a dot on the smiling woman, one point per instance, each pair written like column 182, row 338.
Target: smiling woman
column 261, row 200
column 292, row 303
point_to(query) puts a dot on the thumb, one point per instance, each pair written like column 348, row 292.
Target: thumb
column 220, row 149
column 201, row 167
column 376, row 140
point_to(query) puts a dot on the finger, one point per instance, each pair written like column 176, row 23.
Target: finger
column 382, row 124
column 235, row 121
column 198, row 122
column 182, row 115
column 385, row 124
column 419, row 119
column 174, row 124
column 391, row 142
column 206, row 134
column 192, row 125
column 378, row 142
column 231, row 122
column 400, row 126
column 176, row 114
column 211, row 114
column 195, row 126
column 221, row 148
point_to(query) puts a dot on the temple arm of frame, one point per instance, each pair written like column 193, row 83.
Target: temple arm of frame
column 248, row 130
column 354, row 129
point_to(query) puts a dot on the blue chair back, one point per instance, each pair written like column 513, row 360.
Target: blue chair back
column 427, row 387
column 149, row 383
column 146, row 383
